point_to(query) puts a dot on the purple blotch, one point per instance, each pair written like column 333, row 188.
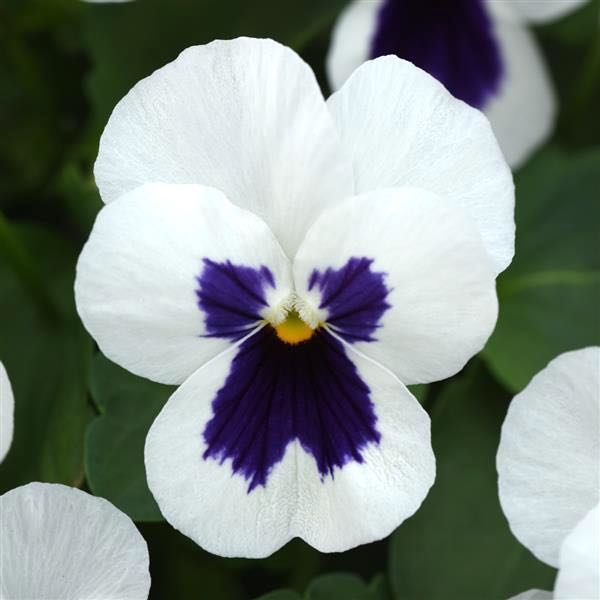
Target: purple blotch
column 354, row 296
column 276, row 393
column 453, row 41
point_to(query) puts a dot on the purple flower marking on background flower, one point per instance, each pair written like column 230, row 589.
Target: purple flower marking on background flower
column 275, row 392
column 453, row 41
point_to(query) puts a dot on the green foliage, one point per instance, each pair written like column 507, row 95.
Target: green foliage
column 549, row 296
column 114, row 448
column 458, row 544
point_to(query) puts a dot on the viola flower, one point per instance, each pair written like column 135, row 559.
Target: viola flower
column 7, row 408
column 548, row 467
column 481, row 50
column 60, row 542
column 290, row 274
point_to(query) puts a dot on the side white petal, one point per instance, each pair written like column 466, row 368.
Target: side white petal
column 533, row 595
column 442, row 297
column 541, row 11
column 137, row 275
column 60, row 542
column 523, row 112
column 245, row 116
column 401, row 127
column 579, row 560
column 351, row 40
column 7, row 410
column 548, row 455
column 208, row 502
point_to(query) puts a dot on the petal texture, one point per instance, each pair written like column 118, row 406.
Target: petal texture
column 429, row 303
column 523, row 111
column 542, row 11
column 245, row 116
column 579, row 561
column 437, row 142
column 347, row 448
column 351, row 40
column 7, row 411
column 549, row 451
column 59, row 542
column 172, row 274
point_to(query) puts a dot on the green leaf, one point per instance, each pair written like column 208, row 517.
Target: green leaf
column 339, row 586
column 114, row 443
column 281, row 595
column 549, row 296
column 458, row 545
column 47, row 356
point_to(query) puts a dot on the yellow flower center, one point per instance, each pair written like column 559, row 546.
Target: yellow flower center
column 294, row 330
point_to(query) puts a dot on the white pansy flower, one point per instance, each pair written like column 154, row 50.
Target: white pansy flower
column 481, row 50
column 294, row 266
column 548, row 466
column 60, row 542
column 7, row 409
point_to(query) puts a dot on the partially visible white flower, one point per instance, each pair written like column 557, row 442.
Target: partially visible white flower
column 7, row 407
column 61, row 543
column 485, row 37
column 548, row 466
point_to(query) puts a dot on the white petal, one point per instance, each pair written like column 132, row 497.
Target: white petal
column 59, row 542
column 442, row 293
column 351, row 40
column 401, row 127
column 137, row 275
column 533, row 595
column 7, row 409
column 548, row 455
column 363, row 502
column 244, row 116
column 523, row 112
column 579, row 562
column 541, row 11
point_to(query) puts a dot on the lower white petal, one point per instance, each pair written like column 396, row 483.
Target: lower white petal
column 217, row 503
column 60, row 542
column 351, row 40
column 7, row 409
column 548, row 455
column 523, row 111
column 533, row 595
column 579, row 562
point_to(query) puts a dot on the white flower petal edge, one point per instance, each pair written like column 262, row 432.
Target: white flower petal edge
column 549, row 450
column 441, row 144
column 7, row 409
column 542, row 11
column 60, row 542
column 245, row 116
column 442, row 297
column 137, row 275
column 523, row 112
column 351, row 40
column 579, row 562
column 364, row 502
column 533, row 595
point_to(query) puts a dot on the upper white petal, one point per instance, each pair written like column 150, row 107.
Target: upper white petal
column 523, row 111
column 59, row 542
column 137, row 275
column 244, row 116
column 549, row 452
column 442, row 296
column 363, row 502
column 7, row 409
column 540, row 11
column 579, row 561
column 351, row 40
column 401, row 127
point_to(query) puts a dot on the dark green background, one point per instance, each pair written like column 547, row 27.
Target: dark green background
column 81, row 420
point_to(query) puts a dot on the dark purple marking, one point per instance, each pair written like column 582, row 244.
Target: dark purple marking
column 354, row 296
column 276, row 393
column 452, row 40
column 232, row 297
